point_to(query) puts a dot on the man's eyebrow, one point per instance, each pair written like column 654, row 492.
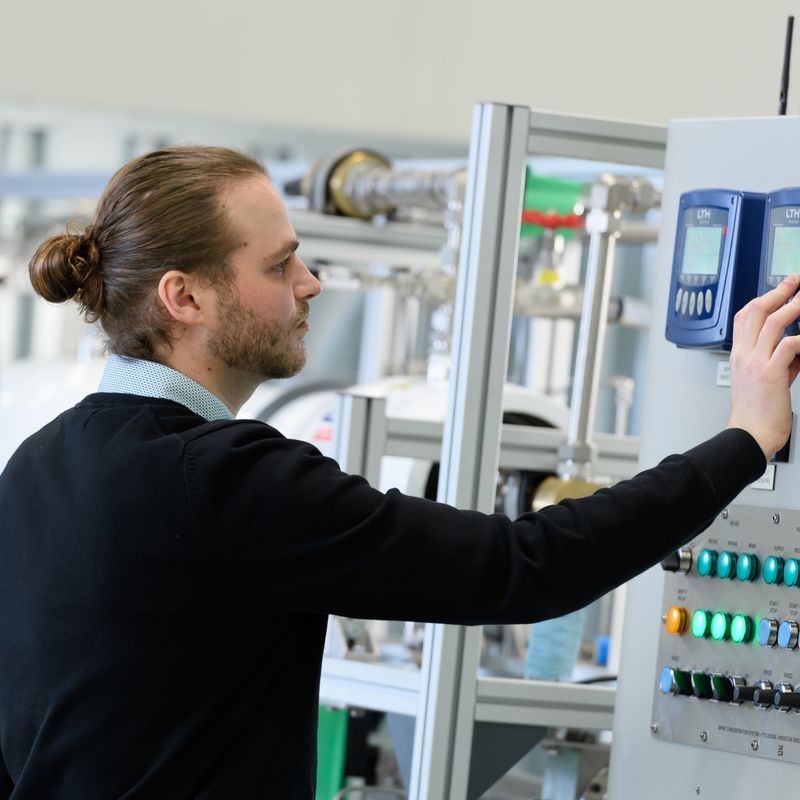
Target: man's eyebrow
column 284, row 251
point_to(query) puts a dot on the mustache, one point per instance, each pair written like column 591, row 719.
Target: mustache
column 302, row 312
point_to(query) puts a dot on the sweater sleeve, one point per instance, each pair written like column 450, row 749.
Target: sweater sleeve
column 282, row 523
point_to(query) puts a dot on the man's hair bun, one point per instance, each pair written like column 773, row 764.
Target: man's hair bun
column 67, row 266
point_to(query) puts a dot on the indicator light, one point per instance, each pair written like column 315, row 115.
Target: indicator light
column 676, row 620
column 741, row 628
column 720, row 626
column 726, row 565
column 791, row 572
column 747, row 567
column 773, row 569
column 707, row 562
column 701, row 622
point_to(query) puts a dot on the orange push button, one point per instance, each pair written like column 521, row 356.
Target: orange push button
column 676, row 620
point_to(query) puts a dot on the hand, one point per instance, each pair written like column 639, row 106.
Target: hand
column 764, row 365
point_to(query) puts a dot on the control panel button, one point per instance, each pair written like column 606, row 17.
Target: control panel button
column 764, row 694
column 709, row 301
column 773, row 570
column 768, row 632
column 743, row 693
column 675, row 681
column 786, row 700
column 676, row 620
column 747, row 567
column 701, row 624
column 788, row 633
column 721, row 688
column 720, row 626
column 678, row 298
column 684, row 302
column 679, row 561
column 741, row 629
column 782, row 690
column 701, row 685
column 707, row 562
column 738, row 684
column 692, row 301
column 726, row 564
column 791, row 572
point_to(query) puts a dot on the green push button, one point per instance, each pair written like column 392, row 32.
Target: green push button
column 701, row 624
column 720, row 626
column 773, row 569
column 747, row 567
column 741, row 628
column 791, row 572
column 707, row 562
column 726, row 564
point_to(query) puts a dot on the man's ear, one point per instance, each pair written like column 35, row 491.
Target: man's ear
column 182, row 296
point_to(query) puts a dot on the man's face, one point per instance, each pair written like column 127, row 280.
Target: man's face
column 261, row 314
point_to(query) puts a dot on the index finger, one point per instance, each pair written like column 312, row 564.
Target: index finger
column 748, row 325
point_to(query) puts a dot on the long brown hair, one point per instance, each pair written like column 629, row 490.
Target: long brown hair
column 159, row 212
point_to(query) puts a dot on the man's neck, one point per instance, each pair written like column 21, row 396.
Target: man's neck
column 233, row 387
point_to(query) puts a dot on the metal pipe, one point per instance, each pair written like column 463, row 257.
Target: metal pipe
column 578, row 449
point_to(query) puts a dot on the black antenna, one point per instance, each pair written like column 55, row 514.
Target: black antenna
column 787, row 57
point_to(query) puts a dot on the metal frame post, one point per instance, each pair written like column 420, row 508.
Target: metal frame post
column 484, row 299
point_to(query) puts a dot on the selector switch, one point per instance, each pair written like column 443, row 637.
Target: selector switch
column 726, row 565
column 788, row 633
column 721, row 688
column 743, row 693
column 707, row 562
column 764, row 694
column 747, row 567
column 738, row 683
column 786, row 700
column 782, row 690
column 773, row 570
column 679, row 561
column 675, row 681
column 791, row 572
column 701, row 685
column 768, row 632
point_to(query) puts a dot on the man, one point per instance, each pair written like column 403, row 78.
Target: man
column 166, row 571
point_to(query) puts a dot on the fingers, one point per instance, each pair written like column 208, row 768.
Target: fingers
column 749, row 322
column 775, row 326
column 786, row 351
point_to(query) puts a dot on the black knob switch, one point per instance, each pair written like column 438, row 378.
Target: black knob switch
column 787, row 700
column 721, row 688
column 743, row 694
column 679, row 561
column 764, row 694
column 701, row 685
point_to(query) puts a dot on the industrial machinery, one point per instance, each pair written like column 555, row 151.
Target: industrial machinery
column 709, row 691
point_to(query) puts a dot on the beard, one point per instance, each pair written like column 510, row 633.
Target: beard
column 252, row 344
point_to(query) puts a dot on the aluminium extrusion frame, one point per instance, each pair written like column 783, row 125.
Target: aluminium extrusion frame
column 503, row 136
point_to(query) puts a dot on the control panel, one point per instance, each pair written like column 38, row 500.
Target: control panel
column 781, row 241
column 728, row 656
column 715, row 265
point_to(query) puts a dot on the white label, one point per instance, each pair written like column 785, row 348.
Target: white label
column 723, row 373
column 767, row 481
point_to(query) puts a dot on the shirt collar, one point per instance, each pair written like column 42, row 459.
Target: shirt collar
column 147, row 378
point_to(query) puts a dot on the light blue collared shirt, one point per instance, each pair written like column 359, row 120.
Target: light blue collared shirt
column 147, row 378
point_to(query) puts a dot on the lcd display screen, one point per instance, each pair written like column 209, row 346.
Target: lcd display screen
column 785, row 251
column 701, row 250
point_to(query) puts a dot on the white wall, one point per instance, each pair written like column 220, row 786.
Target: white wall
column 409, row 67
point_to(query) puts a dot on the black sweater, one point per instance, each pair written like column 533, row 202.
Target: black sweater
column 165, row 581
